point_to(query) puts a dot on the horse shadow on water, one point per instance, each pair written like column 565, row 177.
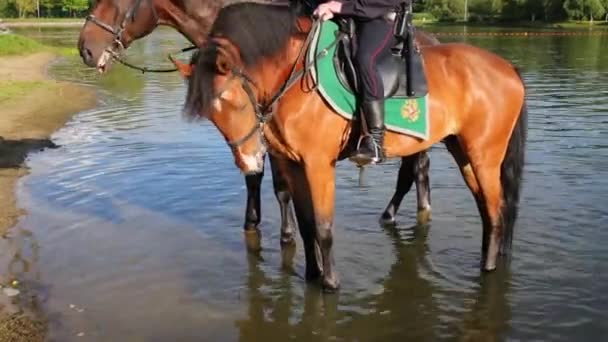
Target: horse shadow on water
column 409, row 305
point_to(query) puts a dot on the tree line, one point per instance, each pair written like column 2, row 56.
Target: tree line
column 514, row 10
column 44, row 8
column 442, row 10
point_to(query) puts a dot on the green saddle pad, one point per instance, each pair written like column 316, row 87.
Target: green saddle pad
column 402, row 114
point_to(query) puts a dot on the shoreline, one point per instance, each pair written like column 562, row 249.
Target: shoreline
column 32, row 107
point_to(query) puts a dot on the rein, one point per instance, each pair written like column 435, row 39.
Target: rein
column 146, row 69
column 264, row 112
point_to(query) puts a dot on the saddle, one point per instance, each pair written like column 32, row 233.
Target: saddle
column 393, row 68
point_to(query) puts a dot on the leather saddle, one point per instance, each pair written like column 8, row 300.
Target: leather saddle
column 392, row 68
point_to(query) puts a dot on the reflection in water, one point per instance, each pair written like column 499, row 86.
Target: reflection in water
column 406, row 308
column 138, row 217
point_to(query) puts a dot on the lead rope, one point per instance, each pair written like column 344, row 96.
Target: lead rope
column 143, row 70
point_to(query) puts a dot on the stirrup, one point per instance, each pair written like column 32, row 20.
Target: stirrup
column 377, row 157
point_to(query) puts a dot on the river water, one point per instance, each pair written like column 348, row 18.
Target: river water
column 132, row 229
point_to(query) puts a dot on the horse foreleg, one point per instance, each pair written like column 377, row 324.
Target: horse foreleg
column 413, row 168
column 300, row 192
column 281, row 191
column 321, row 177
column 253, row 212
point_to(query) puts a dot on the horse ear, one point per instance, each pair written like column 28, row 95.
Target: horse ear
column 223, row 63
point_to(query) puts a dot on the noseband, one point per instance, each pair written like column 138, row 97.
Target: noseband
column 117, row 31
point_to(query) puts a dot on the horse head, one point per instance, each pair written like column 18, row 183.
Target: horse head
column 112, row 26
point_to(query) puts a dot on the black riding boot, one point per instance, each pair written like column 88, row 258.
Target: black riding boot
column 371, row 147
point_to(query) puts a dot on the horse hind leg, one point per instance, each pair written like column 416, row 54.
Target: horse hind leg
column 413, row 168
column 464, row 165
column 500, row 182
column 423, row 188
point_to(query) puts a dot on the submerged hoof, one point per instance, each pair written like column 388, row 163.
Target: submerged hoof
column 424, row 216
column 251, row 226
column 288, row 253
column 387, row 219
column 489, row 266
column 287, row 240
column 312, row 274
column 253, row 240
column 330, row 284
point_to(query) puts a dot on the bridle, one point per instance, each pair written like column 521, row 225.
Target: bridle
column 265, row 110
column 117, row 31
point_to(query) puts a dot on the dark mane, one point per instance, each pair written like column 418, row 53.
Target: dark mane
column 257, row 30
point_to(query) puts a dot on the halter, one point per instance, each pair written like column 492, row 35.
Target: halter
column 118, row 31
column 264, row 110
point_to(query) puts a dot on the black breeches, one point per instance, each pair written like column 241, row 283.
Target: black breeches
column 374, row 40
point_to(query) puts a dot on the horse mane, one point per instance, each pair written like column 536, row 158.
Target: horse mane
column 257, row 30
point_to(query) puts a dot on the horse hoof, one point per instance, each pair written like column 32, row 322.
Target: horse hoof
column 253, row 240
column 287, row 241
column 423, row 216
column 330, row 284
column 312, row 274
column 489, row 266
column 288, row 253
column 250, row 226
column 387, row 219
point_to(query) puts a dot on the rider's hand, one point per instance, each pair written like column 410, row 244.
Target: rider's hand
column 327, row 10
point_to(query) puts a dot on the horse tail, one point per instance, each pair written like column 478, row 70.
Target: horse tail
column 511, row 173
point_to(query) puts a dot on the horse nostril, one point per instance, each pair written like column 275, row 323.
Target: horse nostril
column 87, row 56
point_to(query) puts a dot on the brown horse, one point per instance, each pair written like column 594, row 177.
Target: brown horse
column 113, row 25
column 244, row 83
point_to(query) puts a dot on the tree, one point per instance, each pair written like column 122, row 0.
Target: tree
column 584, row 9
column 75, row 6
column 446, row 9
column 25, row 7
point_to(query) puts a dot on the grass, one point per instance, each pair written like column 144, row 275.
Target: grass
column 40, row 20
column 15, row 89
column 12, row 44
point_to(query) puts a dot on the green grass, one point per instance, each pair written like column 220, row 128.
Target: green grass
column 41, row 20
column 14, row 89
column 12, row 44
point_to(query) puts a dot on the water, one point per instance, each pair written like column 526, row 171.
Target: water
column 133, row 227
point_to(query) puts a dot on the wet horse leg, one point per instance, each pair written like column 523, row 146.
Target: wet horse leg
column 252, row 211
column 321, row 178
column 485, row 169
column 281, row 192
column 413, row 168
column 305, row 214
column 464, row 165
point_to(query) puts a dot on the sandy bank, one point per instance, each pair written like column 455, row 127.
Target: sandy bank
column 32, row 107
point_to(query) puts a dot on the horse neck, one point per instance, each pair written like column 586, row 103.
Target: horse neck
column 193, row 19
column 298, row 108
